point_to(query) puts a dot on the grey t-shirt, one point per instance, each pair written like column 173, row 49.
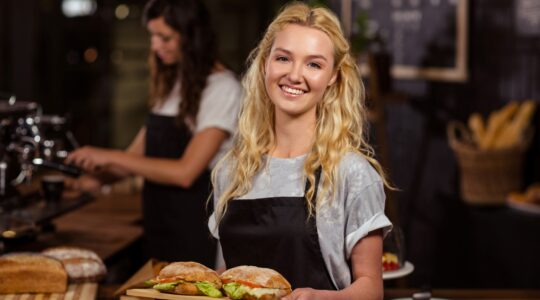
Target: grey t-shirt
column 356, row 209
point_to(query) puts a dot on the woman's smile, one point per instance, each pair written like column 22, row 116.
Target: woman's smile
column 291, row 91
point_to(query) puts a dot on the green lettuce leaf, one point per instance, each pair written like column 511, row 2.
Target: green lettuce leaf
column 208, row 289
column 235, row 290
column 150, row 282
column 165, row 287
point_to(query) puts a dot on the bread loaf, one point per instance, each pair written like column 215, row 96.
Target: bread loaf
column 31, row 273
column 513, row 133
column 476, row 123
column 497, row 121
column 82, row 265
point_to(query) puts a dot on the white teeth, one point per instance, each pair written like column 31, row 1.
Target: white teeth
column 292, row 91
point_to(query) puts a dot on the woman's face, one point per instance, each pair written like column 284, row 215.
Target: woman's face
column 164, row 41
column 298, row 70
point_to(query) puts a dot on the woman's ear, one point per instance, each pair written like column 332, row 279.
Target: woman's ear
column 333, row 79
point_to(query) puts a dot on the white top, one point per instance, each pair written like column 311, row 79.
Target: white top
column 356, row 209
column 219, row 107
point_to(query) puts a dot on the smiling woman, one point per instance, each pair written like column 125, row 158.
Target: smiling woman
column 300, row 192
column 299, row 69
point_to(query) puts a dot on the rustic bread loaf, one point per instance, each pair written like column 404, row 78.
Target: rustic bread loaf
column 31, row 273
column 82, row 265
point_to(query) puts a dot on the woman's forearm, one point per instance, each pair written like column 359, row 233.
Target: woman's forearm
column 182, row 171
column 364, row 288
column 163, row 171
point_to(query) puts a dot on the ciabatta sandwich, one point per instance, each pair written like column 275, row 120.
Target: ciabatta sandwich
column 254, row 283
column 188, row 278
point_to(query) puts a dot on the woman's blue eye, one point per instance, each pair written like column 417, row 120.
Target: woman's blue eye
column 314, row 65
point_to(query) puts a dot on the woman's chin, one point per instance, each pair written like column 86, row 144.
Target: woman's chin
column 169, row 61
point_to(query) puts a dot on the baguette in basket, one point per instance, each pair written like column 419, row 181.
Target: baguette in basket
column 491, row 157
column 505, row 128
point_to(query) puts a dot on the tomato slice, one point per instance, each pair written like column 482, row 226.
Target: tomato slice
column 169, row 279
column 243, row 282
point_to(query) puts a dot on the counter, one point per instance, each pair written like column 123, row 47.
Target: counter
column 108, row 225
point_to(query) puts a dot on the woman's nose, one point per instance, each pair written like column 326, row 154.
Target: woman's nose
column 155, row 44
column 295, row 73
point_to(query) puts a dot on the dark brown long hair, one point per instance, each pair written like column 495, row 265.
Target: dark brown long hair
column 198, row 46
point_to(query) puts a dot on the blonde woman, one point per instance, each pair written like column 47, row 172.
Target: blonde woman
column 300, row 191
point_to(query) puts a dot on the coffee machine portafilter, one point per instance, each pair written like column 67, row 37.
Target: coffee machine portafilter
column 24, row 148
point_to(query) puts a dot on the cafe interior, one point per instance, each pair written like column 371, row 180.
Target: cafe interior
column 451, row 91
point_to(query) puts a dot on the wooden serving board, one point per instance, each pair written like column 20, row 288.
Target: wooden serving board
column 153, row 294
column 83, row 291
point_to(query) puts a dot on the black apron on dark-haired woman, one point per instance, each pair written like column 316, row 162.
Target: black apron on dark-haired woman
column 175, row 219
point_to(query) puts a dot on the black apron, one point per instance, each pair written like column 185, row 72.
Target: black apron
column 275, row 233
column 175, row 219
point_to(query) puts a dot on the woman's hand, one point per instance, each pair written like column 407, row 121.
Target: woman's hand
column 90, row 159
column 308, row 294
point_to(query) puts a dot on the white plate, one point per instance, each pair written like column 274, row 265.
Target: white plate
column 401, row 272
column 524, row 206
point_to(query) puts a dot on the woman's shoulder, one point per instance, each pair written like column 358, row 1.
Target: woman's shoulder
column 223, row 78
column 353, row 160
column 223, row 166
column 356, row 167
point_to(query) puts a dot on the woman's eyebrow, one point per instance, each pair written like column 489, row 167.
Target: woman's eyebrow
column 313, row 56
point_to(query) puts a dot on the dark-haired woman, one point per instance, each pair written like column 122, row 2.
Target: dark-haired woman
column 194, row 107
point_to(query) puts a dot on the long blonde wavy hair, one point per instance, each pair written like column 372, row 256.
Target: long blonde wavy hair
column 341, row 114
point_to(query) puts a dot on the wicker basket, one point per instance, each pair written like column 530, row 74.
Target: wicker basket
column 486, row 176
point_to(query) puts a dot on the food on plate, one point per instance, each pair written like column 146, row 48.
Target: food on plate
column 390, row 262
column 188, row 278
column 31, row 273
column 82, row 265
column 531, row 195
column 254, row 283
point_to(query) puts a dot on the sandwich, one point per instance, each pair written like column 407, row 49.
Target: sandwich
column 187, row 278
column 31, row 273
column 254, row 283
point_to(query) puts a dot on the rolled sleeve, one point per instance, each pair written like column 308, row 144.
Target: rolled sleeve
column 378, row 221
column 365, row 212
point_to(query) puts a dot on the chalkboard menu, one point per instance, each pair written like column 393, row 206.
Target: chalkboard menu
column 427, row 38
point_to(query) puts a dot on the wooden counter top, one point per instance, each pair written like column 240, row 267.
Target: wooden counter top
column 106, row 291
column 107, row 225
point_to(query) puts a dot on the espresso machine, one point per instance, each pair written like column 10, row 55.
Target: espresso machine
column 30, row 140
